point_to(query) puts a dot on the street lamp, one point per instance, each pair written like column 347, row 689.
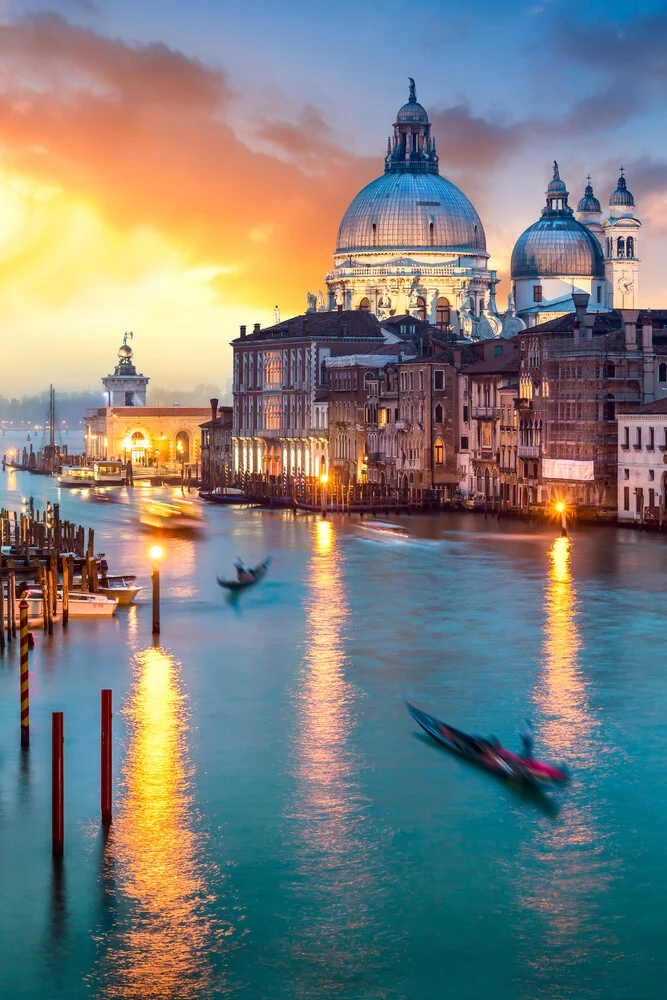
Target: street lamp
column 156, row 555
column 323, row 479
column 561, row 509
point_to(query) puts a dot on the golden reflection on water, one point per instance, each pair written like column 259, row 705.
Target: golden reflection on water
column 565, row 868
column 332, row 848
column 161, row 949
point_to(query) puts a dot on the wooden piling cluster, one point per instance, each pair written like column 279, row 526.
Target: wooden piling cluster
column 37, row 548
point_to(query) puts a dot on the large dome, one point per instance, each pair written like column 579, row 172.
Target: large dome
column 557, row 246
column 396, row 212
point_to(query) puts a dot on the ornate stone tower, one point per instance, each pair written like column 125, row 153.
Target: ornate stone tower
column 621, row 252
column 125, row 387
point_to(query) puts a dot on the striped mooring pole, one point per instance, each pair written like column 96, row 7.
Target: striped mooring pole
column 57, row 785
column 25, row 683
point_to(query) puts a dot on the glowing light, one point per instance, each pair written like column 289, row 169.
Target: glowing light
column 324, row 478
column 560, row 506
column 156, row 553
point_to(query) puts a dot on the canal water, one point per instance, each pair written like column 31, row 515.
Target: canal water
column 281, row 830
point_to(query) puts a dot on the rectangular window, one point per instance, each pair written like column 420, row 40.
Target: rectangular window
column 626, row 498
column 421, row 378
column 537, row 293
column 651, row 474
column 626, row 473
column 465, row 415
column 638, row 441
column 626, row 437
column 599, row 293
column 651, row 498
column 464, row 444
column 651, row 439
column 438, row 379
column 412, row 381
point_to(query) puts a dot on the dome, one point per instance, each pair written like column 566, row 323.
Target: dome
column 621, row 195
column 556, row 185
column 396, row 212
column 589, row 202
column 557, row 246
column 412, row 112
column 124, row 351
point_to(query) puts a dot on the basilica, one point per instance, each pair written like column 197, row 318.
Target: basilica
column 412, row 243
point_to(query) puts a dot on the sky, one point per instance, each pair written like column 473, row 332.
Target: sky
column 179, row 169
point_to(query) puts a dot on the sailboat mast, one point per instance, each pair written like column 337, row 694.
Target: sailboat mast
column 52, row 418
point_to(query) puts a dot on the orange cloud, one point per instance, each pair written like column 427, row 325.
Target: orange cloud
column 141, row 134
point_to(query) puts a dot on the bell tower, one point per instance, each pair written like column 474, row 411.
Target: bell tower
column 620, row 233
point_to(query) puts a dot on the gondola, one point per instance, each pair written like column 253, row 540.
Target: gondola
column 489, row 754
column 253, row 576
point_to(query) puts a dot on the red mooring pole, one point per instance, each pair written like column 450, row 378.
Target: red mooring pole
column 106, row 756
column 25, row 688
column 57, row 785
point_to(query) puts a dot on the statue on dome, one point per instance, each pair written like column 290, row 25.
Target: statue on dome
column 413, row 90
column 312, row 302
column 320, row 302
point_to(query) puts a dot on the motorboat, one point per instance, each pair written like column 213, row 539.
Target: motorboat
column 123, row 588
column 177, row 515
column 109, row 473
column 488, row 753
column 226, row 495
column 81, row 604
column 35, row 599
column 248, row 577
column 75, row 476
column 384, row 528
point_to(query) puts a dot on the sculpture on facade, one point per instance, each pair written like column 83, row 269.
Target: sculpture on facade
column 312, row 302
column 320, row 302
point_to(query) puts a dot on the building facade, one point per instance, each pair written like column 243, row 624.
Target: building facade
column 280, row 388
column 642, row 471
column 148, row 436
column 216, row 447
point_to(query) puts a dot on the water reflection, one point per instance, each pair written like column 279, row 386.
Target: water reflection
column 566, row 867
column 165, row 942
column 334, row 863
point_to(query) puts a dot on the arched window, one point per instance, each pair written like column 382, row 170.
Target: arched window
column 430, row 232
column 375, row 234
column 183, row 446
column 421, row 308
column 609, row 407
column 610, row 370
column 438, row 416
column 630, row 247
column 609, row 246
column 365, row 305
column 442, row 313
column 438, row 452
column 662, row 372
column 620, row 247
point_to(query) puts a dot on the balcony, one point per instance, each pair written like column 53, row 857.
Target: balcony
column 402, row 425
column 485, row 412
column 528, row 451
column 376, row 456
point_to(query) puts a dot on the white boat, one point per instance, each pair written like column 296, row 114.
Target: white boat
column 84, row 605
column 384, row 528
column 123, row 588
column 75, row 475
column 109, row 473
column 35, row 607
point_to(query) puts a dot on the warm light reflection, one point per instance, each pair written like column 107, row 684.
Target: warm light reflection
column 565, row 869
column 156, row 553
column 162, row 948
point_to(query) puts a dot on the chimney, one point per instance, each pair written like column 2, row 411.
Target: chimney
column 589, row 323
column 647, row 331
column 242, row 332
column 340, row 308
column 256, row 327
column 630, row 317
column 580, row 300
column 214, row 408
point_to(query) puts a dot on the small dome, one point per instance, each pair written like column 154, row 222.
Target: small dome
column 589, row 202
column 556, row 185
column 621, row 195
column 557, row 246
column 412, row 112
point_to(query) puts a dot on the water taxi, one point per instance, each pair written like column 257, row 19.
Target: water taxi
column 109, row 473
column 176, row 515
column 122, row 588
column 72, row 476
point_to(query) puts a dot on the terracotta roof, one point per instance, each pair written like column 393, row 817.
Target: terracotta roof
column 656, row 406
column 352, row 324
column 497, row 365
column 604, row 322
